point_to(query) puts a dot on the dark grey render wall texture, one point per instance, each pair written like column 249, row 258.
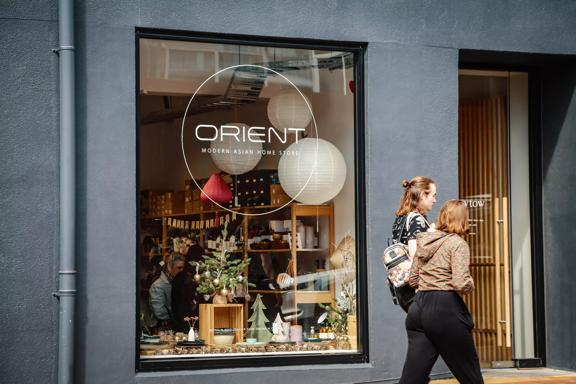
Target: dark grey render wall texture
column 411, row 128
column 559, row 177
column 28, row 191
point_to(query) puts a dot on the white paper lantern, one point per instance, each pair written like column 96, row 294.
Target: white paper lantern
column 235, row 157
column 326, row 169
column 287, row 109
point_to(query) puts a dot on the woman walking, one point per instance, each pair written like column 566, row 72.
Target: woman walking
column 417, row 200
column 438, row 322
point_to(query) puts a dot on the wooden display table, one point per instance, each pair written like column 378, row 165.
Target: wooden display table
column 214, row 316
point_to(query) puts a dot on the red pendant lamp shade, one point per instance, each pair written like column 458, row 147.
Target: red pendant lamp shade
column 217, row 189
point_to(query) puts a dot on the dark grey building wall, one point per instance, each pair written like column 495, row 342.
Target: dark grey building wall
column 28, row 191
column 411, row 107
column 559, row 177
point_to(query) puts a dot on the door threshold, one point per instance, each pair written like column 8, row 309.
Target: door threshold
column 503, row 364
column 521, row 376
column 534, row 362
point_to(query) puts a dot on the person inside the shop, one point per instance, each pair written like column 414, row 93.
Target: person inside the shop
column 438, row 321
column 185, row 298
column 417, row 200
column 161, row 292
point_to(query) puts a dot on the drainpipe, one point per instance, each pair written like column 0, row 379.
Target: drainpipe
column 67, row 271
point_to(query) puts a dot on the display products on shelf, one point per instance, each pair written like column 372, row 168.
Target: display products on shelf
column 290, row 247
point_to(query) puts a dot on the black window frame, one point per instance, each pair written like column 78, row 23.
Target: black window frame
column 359, row 50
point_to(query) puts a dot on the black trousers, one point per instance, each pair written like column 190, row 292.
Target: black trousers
column 404, row 295
column 439, row 323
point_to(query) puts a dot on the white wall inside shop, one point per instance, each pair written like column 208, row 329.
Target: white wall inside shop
column 335, row 119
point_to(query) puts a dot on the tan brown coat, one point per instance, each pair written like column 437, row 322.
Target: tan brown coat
column 441, row 263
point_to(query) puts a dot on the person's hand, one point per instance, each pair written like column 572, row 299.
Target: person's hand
column 284, row 280
column 164, row 325
column 290, row 268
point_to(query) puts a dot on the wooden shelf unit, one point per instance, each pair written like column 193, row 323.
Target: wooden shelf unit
column 269, row 250
column 200, row 215
column 296, row 211
column 313, row 297
column 212, row 316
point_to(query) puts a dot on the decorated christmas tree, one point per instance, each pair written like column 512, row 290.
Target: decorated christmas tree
column 258, row 320
column 219, row 273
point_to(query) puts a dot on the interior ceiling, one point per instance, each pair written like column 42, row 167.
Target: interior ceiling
column 157, row 109
column 331, row 62
column 244, row 87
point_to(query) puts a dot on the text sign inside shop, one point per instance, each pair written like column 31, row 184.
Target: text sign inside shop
column 475, row 203
column 476, row 208
column 242, row 133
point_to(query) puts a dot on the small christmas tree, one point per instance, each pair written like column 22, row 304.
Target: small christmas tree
column 219, row 273
column 258, row 320
column 281, row 330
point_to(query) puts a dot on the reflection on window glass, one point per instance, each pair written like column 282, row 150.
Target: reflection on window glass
column 247, row 202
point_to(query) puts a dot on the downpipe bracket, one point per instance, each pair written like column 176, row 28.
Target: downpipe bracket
column 65, row 292
column 63, row 48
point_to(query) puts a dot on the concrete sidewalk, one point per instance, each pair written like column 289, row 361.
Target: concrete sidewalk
column 521, row 376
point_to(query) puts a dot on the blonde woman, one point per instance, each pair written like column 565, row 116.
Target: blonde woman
column 438, row 322
column 417, row 200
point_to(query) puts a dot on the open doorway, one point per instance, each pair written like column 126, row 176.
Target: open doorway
column 494, row 180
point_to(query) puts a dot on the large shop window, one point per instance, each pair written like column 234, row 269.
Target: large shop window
column 250, row 245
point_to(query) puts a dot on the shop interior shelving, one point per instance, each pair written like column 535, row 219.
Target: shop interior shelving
column 304, row 271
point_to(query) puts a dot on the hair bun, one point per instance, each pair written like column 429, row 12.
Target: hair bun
column 405, row 183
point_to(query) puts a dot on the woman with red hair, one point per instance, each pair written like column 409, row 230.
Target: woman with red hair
column 438, row 322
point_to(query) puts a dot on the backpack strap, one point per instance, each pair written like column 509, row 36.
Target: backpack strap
column 402, row 228
column 409, row 218
column 412, row 215
column 405, row 224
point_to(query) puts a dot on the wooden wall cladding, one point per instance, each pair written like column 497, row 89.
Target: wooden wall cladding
column 483, row 175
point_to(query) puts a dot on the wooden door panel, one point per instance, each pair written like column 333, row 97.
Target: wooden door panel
column 483, row 172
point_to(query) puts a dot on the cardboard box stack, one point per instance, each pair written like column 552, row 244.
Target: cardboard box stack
column 173, row 203
column 152, row 202
column 277, row 195
column 191, row 197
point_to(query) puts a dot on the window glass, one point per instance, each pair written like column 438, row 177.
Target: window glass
column 247, row 201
